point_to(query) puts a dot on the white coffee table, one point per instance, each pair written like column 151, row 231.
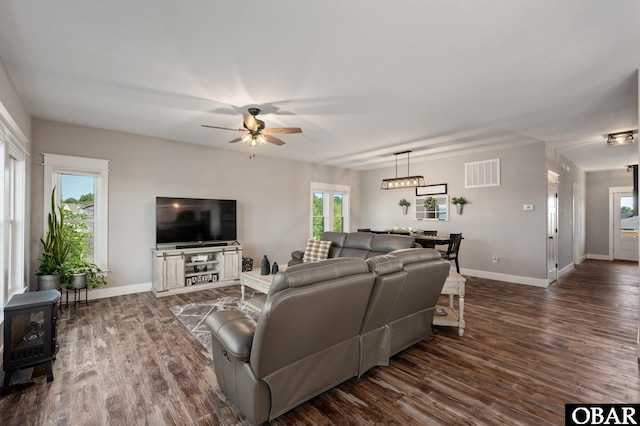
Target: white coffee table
column 261, row 283
column 453, row 286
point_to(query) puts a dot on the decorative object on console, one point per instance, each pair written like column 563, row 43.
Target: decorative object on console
column 265, row 268
column 459, row 203
column 403, row 182
column 274, row 268
column 247, row 264
column 404, row 203
column 316, row 250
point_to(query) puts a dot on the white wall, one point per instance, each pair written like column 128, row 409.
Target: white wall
column 273, row 194
column 494, row 223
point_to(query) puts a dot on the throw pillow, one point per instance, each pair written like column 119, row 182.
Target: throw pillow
column 316, row 250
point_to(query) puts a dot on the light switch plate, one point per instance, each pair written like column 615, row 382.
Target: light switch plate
column 527, row 207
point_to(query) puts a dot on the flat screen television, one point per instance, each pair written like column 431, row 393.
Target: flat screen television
column 195, row 221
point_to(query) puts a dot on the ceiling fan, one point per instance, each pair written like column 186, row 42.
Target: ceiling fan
column 256, row 134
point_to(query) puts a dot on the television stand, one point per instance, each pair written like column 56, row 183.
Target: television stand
column 199, row 267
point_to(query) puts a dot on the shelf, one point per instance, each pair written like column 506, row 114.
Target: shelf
column 206, row 262
column 195, row 274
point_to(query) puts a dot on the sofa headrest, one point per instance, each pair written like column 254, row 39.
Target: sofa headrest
column 336, row 238
column 414, row 255
column 386, row 242
column 359, row 240
column 385, row 264
column 310, row 273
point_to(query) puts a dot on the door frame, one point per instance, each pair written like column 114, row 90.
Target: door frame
column 613, row 190
column 553, row 177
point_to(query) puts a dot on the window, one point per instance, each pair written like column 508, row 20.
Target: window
column 329, row 208
column 82, row 191
column 12, row 204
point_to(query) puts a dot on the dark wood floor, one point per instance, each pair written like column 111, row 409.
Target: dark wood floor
column 525, row 353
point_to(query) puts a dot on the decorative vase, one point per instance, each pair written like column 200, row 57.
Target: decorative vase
column 459, row 208
column 404, row 209
column 274, row 269
column 265, row 267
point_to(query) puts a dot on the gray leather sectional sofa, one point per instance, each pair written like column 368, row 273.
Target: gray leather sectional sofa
column 359, row 244
column 322, row 324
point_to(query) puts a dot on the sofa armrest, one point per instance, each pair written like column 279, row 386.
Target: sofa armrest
column 234, row 330
column 298, row 254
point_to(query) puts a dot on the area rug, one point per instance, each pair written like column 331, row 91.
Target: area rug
column 192, row 316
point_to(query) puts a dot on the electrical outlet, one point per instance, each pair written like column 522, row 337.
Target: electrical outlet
column 495, row 259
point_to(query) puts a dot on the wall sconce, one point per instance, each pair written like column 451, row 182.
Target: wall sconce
column 622, row 138
column 402, row 182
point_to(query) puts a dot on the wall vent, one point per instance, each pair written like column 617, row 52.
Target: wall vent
column 482, row 173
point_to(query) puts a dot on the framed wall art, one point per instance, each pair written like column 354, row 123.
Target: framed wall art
column 440, row 188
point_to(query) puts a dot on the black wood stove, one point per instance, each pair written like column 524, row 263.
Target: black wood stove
column 30, row 333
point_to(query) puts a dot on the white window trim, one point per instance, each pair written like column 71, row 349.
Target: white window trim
column 54, row 164
column 12, row 143
column 331, row 189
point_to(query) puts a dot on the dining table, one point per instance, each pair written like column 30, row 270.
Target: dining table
column 426, row 241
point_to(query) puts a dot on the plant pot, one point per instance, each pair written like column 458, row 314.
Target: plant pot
column 459, row 208
column 48, row 282
column 78, row 281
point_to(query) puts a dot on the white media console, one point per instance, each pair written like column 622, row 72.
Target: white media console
column 177, row 270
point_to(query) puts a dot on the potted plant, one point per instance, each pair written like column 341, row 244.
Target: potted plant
column 80, row 273
column 430, row 203
column 459, row 203
column 404, row 203
column 55, row 249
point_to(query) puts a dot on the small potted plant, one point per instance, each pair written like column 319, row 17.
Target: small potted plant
column 459, row 203
column 404, row 203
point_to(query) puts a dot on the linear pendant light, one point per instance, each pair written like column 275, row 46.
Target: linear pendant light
column 402, row 182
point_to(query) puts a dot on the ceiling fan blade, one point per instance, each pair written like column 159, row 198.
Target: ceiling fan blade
column 273, row 140
column 250, row 122
column 224, row 128
column 236, row 139
column 282, row 130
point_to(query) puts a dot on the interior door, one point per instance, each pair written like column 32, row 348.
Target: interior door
column 552, row 231
column 625, row 227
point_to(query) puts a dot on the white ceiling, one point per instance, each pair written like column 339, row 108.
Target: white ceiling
column 364, row 79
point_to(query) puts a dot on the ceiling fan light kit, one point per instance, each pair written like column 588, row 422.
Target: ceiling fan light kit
column 402, row 182
column 256, row 133
column 621, row 138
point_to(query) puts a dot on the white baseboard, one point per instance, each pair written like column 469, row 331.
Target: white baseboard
column 564, row 271
column 516, row 279
column 104, row 292
column 599, row 256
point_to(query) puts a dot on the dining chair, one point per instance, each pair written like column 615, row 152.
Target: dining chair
column 430, row 233
column 452, row 251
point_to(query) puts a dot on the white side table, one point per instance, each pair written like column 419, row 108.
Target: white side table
column 453, row 286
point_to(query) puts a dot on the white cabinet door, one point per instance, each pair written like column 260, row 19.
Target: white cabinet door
column 232, row 262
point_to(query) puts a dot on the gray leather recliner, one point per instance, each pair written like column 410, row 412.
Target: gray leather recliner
column 306, row 340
